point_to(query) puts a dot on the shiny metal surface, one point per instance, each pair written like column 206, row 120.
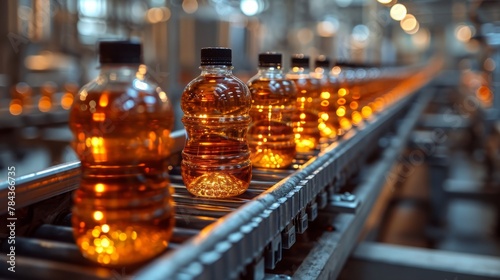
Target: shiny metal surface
column 226, row 238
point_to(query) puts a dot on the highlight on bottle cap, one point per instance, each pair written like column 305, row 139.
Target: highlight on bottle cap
column 216, row 56
column 114, row 51
column 270, row 59
column 300, row 60
column 322, row 61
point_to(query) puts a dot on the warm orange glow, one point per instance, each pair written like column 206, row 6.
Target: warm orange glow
column 99, row 188
column 345, row 124
column 353, row 105
column 342, row 91
column 341, row 101
column 98, row 117
column 336, row 70
column 44, row 104
column 341, row 111
column 190, row 6
column 356, row 117
column 463, row 33
column 484, row 94
column 366, row 111
column 15, row 107
column 408, row 23
column 98, row 149
column 325, row 95
column 67, row 101
column 105, row 228
column 306, row 145
column 98, row 215
column 324, row 116
column 103, row 100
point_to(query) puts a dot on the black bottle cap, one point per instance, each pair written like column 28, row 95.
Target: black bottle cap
column 300, row 60
column 322, row 61
column 270, row 59
column 120, row 52
column 216, row 56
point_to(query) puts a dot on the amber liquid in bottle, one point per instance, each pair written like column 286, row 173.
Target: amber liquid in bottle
column 343, row 76
column 270, row 137
column 305, row 119
column 216, row 157
column 123, row 210
column 329, row 124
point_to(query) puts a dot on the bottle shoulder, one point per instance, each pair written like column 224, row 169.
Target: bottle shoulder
column 216, row 95
column 227, row 85
column 141, row 95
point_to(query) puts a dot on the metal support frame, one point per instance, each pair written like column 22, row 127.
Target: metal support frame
column 326, row 259
column 388, row 262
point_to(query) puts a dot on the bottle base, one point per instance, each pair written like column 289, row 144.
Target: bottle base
column 217, row 185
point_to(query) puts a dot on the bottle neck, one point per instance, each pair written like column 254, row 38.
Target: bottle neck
column 299, row 70
column 216, row 70
column 122, row 71
column 270, row 72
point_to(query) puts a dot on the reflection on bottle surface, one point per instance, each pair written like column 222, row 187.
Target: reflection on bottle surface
column 270, row 136
column 216, row 105
column 306, row 118
column 123, row 210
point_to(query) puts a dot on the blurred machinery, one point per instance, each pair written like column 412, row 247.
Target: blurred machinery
column 413, row 192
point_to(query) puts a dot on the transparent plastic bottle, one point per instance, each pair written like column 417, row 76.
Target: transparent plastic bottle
column 121, row 121
column 216, row 106
column 330, row 126
column 270, row 136
column 343, row 73
column 305, row 119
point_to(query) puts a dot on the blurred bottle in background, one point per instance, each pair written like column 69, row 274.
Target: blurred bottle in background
column 329, row 125
column 305, row 119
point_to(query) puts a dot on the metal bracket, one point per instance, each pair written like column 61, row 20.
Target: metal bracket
column 312, row 211
column 302, row 222
column 273, row 252
column 289, row 236
column 344, row 203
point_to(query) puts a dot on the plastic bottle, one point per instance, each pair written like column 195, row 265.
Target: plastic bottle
column 305, row 119
column 270, row 136
column 121, row 121
column 330, row 126
column 216, row 105
column 343, row 73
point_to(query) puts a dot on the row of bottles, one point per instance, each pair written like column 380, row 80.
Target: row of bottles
column 23, row 101
column 121, row 121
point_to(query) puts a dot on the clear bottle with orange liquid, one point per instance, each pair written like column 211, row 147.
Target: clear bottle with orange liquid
column 305, row 119
column 270, row 137
column 121, row 121
column 330, row 126
column 216, row 105
column 343, row 74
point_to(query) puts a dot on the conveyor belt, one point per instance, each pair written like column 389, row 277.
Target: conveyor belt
column 213, row 238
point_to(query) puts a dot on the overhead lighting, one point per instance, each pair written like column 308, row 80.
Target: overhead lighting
column 190, row 6
column 463, row 33
column 421, row 39
column 384, row 1
column 409, row 22
column 250, row 7
column 327, row 28
column 398, row 12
